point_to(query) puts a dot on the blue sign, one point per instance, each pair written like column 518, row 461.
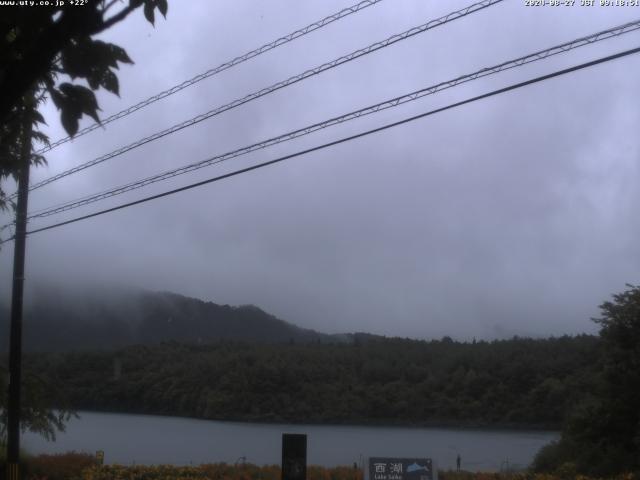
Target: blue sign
column 384, row 468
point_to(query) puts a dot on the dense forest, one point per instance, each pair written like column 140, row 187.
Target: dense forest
column 518, row 382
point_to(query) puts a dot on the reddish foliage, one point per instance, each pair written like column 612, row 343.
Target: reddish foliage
column 65, row 466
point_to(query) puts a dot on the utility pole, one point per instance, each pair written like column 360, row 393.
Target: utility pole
column 15, row 345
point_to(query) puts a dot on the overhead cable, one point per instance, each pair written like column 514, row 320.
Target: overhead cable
column 520, row 61
column 213, row 71
column 345, row 139
column 277, row 86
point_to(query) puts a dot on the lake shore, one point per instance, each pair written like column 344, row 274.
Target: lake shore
column 152, row 440
column 436, row 424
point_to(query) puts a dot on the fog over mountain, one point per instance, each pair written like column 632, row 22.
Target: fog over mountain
column 87, row 318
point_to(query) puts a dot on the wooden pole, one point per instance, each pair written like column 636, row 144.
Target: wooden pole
column 15, row 342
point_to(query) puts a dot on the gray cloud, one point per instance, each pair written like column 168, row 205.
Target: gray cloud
column 513, row 215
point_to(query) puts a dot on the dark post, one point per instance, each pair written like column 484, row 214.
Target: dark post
column 15, row 345
column 294, row 456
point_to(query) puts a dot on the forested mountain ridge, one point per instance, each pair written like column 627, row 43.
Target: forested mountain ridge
column 63, row 322
column 518, row 382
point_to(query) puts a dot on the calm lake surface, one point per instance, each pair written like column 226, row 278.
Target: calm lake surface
column 147, row 439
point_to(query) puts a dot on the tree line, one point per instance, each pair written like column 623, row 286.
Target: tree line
column 517, row 382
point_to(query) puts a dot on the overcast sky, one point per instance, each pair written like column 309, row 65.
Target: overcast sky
column 512, row 215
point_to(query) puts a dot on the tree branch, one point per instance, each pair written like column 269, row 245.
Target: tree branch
column 109, row 5
column 118, row 17
column 20, row 76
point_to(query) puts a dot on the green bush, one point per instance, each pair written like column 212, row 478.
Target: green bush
column 550, row 457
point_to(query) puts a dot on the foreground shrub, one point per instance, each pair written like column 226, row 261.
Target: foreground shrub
column 464, row 475
column 74, row 466
column 65, row 466
column 567, row 459
column 561, row 475
column 215, row 471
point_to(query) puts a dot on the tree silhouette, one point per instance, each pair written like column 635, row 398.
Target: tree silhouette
column 43, row 47
column 602, row 436
column 44, row 50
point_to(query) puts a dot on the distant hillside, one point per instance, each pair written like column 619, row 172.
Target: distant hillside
column 57, row 321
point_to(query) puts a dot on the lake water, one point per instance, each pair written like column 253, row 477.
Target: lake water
column 147, row 439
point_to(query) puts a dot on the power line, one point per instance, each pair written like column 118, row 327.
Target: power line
column 533, row 57
column 277, row 86
column 346, row 139
column 214, row 71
